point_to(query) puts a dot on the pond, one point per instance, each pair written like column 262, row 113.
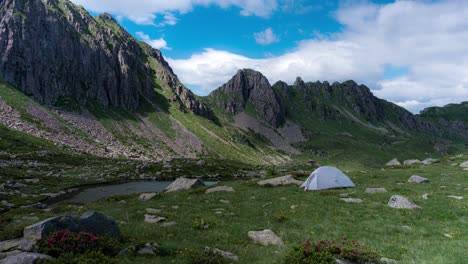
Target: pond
column 96, row 193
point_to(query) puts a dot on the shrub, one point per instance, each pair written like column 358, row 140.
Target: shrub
column 201, row 223
column 91, row 257
column 327, row 250
column 203, row 257
column 280, row 217
column 66, row 242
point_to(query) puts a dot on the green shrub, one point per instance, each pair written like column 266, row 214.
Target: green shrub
column 280, row 217
column 65, row 242
column 201, row 223
column 203, row 257
column 91, row 257
column 326, row 251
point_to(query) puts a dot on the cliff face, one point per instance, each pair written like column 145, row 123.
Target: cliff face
column 250, row 87
column 52, row 49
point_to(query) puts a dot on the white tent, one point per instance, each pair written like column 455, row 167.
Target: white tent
column 327, row 178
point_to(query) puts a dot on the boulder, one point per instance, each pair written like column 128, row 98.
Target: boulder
column 284, row 180
column 376, row 190
column 425, row 196
column 393, row 162
column 25, row 258
column 220, row 189
column 418, row 179
column 201, row 163
column 429, row 161
column 147, row 196
column 401, row 202
column 182, row 183
column 20, row 244
column 455, row 197
column 265, row 238
column 412, row 162
column 92, row 222
column 141, row 249
column 351, row 200
column 152, row 219
column 464, row 164
column 227, row 255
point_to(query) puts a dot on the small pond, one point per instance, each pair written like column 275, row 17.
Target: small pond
column 96, row 193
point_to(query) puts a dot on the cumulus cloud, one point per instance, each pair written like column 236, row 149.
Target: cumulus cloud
column 427, row 38
column 155, row 43
column 145, row 11
column 266, row 37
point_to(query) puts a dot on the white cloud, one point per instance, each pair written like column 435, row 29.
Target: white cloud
column 145, row 11
column 427, row 38
column 155, row 43
column 266, row 37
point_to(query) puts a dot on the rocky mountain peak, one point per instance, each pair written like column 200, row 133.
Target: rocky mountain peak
column 249, row 87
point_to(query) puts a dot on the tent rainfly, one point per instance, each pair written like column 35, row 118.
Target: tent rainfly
column 327, row 178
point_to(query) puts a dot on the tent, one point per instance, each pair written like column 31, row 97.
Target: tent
column 327, row 178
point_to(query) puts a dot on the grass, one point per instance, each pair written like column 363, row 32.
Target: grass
column 411, row 236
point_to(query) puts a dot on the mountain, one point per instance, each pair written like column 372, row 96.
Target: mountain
column 452, row 117
column 84, row 85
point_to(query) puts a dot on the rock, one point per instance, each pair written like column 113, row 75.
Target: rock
column 92, row 222
column 25, row 258
column 412, row 162
column 425, row 196
column 31, row 181
column 147, row 249
column 351, row 200
column 147, row 196
column 220, row 189
column 429, row 161
column 167, row 224
column 184, row 184
column 152, row 219
column 376, row 190
column 36, row 206
column 20, row 244
column 455, row 197
column 284, row 180
column 401, row 202
column 140, row 249
column 418, row 179
column 448, row 235
column 153, row 211
column 339, row 261
column 393, row 162
column 464, row 164
column 224, row 254
column 201, row 163
column 224, row 201
column 387, row 260
column 265, row 238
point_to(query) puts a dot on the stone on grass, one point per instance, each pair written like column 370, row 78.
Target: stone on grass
column 147, row 196
column 20, row 244
column 401, row 202
column 387, row 260
column 224, row 254
column 425, row 196
column 31, row 180
column 167, row 224
column 351, row 200
column 25, row 258
column 92, row 222
column 429, row 161
column 182, row 183
column 412, row 162
column 376, row 190
column 464, row 164
column 220, row 189
column 418, row 179
column 455, row 197
column 265, row 238
column 284, row 180
column 152, row 219
column 393, row 162
column 7, row 204
column 141, row 249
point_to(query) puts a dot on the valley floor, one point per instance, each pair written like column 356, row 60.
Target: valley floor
column 437, row 233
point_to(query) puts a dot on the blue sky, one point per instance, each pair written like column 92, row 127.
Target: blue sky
column 408, row 52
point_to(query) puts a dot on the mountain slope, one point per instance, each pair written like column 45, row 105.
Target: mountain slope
column 452, row 117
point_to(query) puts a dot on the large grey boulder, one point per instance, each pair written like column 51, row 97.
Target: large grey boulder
column 25, row 258
column 92, row 222
column 412, row 162
column 220, row 189
column 393, row 162
column 182, row 183
column 401, row 202
column 20, row 244
column 265, row 238
column 284, row 180
column 418, row 179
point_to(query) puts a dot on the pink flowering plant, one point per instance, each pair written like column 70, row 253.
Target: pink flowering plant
column 67, row 242
column 327, row 251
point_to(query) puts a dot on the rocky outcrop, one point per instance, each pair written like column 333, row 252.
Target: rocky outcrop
column 53, row 49
column 250, row 88
column 182, row 183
